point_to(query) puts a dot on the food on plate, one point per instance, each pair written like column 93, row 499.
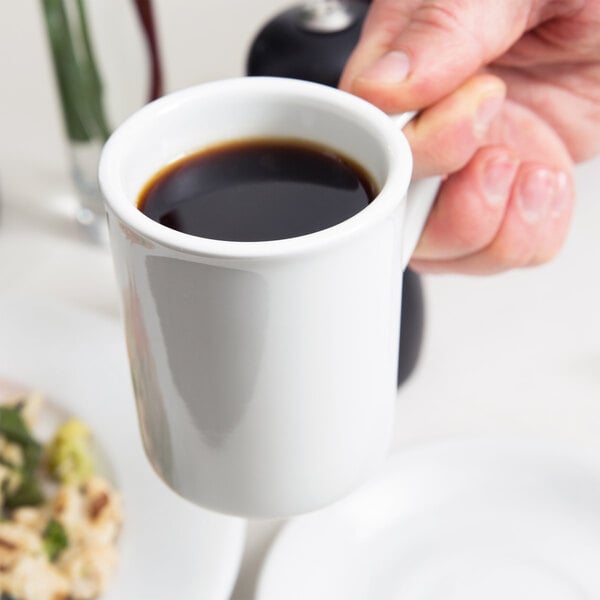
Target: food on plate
column 69, row 454
column 59, row 519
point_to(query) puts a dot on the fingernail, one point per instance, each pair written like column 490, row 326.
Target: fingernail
column 498, row 175
column 536, row 194
column 562, row 196
column 486, row 113
column 392, row 67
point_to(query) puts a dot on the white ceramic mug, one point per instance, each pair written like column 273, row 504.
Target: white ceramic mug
column 264, row 372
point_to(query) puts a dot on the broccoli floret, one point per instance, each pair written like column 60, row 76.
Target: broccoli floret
column 55, row 540
column 21, row 488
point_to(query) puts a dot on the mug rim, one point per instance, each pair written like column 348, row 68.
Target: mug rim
column 392, row 193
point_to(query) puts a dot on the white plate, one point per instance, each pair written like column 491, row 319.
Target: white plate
column 467, row 520
column 168, row 547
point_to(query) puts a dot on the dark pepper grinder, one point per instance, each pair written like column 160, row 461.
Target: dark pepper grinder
column 312, row 41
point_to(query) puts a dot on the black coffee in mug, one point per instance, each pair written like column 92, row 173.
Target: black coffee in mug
column 257, row 190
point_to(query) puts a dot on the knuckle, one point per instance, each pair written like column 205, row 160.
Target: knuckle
column 452, row 18
column 386, row 19
column 440, row 14
column 449, row 148
column 548, row 252
column 510, row 254
column 542, row 258
column 474, row 238
column 473, row 229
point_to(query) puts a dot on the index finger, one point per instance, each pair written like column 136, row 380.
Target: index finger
column 411, row 54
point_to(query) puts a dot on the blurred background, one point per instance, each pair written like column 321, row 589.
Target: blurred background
column 514, row 355
column 198, row 41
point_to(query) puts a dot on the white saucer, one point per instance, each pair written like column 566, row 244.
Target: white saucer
column 168, row 547
column 469, row 520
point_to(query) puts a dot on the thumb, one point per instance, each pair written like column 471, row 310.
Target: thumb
column 412, row 53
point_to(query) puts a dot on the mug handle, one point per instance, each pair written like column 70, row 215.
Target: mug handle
column 419, row 200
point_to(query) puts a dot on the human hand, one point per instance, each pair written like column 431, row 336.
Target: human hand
column 508, row 196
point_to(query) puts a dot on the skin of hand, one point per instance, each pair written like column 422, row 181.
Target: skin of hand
column 509, row 94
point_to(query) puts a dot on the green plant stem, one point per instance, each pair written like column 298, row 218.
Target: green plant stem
column 78, row 80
